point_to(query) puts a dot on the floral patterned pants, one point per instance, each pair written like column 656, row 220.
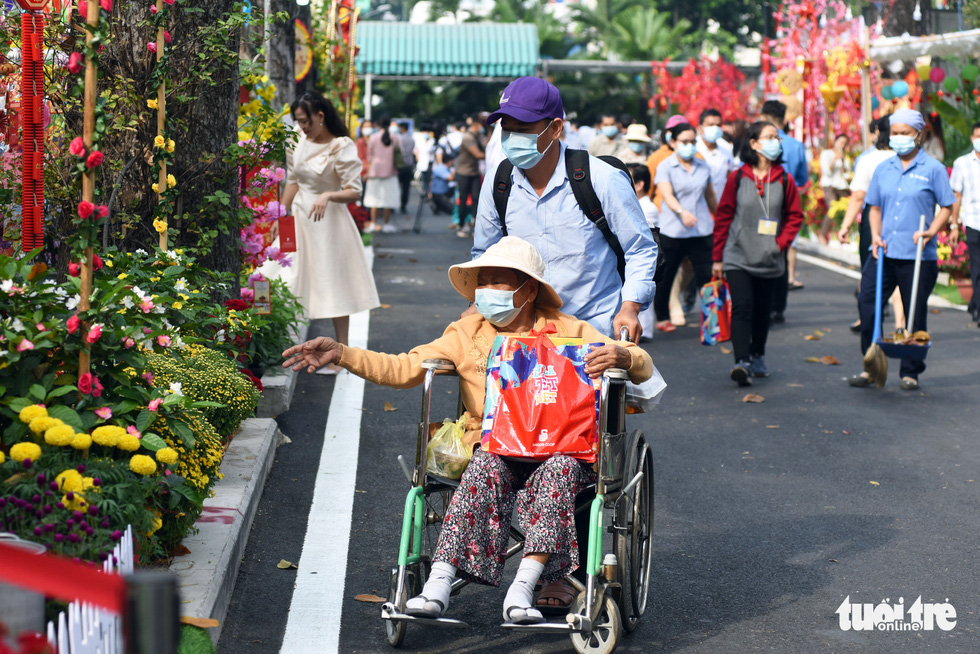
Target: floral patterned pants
column 476, row 527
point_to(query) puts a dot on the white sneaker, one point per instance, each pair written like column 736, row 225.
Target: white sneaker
column 389, row 229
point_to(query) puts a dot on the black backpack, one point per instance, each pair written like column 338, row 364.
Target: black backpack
column 577, row 169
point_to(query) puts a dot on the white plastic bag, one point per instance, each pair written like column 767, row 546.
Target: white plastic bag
column 447, row 455
column 643, row 397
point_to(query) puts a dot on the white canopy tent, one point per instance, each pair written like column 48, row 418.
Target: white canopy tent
column 905, row 47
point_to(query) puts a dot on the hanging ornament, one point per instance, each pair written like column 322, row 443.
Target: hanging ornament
column 32, row 122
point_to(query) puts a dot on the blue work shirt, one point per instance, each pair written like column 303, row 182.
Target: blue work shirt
column 904, row 196
column 440, row 179
column 579, row 264
column 794, row 159
column 688, row 188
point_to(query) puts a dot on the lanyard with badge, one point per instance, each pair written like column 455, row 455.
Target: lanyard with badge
column 767, row 226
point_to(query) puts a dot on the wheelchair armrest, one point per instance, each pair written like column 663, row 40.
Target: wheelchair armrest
column 616, row 373
column 439, row 365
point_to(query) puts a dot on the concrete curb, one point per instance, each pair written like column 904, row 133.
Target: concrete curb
column 279, row 384
column 206, row 576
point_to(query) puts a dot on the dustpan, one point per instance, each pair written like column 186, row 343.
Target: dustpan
column 901, row 350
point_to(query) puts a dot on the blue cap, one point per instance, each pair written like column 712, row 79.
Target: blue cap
column 529, row 99
column 909, row 117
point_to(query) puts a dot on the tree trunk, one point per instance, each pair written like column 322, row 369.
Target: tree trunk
column 280, row 54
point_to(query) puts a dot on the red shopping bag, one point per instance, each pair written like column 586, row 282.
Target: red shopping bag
column 287, row 233
column 546, row 403
column 716, row 312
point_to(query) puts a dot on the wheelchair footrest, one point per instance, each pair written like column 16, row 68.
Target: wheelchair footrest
column 389, row 612
column 578, row 624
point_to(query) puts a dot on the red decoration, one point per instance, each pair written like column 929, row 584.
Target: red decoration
column 704, row 84
column 32, row 110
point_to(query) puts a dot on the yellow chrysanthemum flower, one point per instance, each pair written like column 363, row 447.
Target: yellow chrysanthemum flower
column 77, row 503
column 28, row 413
column 167, row 456
column 128, row 443
column 3, row 457
column 70, row 481
column 59, row 435
column 142, row 465
column 43, row 423
column 81, row 441
column 21, row 451
column 108, row 435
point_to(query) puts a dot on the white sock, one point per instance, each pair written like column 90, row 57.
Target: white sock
column 437, row 588
column 521, row 592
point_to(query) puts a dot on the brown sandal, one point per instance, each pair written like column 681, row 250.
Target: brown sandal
column 561, row 590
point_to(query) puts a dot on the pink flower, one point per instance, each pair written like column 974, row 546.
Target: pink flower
column 248, row 295
column 153, row 9
column 169, row 2
column 104, row 412
column 40, row 327
column 74, row 269
column 85, row 209
column 163, row 340
column 83, row 9
column 127, row 342
column 73, row 324
column 77, row 146
column 148, row 376
column 106, row 4
column 167, row 473
column 147, row 330
column 96, row 262
column 134, row 431
column 166, row 36
column 102, row 210
column 154, row 404
column 146, row 305
column 94, row 159
column 94, row 334
column 25, row 345
column 151, row 46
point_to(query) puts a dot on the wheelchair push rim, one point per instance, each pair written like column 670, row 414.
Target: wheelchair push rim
column 634, row 533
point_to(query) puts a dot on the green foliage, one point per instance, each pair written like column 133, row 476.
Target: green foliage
column 194, row 640
column 640, row 32
column 274, row 333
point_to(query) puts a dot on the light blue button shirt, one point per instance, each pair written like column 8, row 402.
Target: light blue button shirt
column 579, row 264
column 689, row 190
column 903, row 196
column 794, row 159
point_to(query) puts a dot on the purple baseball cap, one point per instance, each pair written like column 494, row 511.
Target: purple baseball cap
column 529, row 99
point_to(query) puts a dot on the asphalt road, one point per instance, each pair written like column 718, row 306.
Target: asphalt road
column 767, row 515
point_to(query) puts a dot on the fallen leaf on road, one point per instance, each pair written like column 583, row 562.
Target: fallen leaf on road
column 795, row 385
column 934, row 311
column 726, row 350
column 772, row 426
column 811, row 337
column 753, row 398
column 385, row 306
column 830, row 361
column 845, row 432
column 812, row 360
column 414, row 260
column 874, row 483
column 181, row 550
column 367, row 597
column 389, row 408
column 203, row 623
column 285, row 565
column 818, row 333
column 832, row 560
column 440, row 268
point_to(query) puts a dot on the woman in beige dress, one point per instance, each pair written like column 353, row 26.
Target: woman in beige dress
column 330, row 272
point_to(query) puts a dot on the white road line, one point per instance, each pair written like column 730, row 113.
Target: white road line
column 313, row 624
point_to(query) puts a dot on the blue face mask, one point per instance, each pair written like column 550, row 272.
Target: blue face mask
column 637, row 147
column 686, row 151
column 712, row 133
column 771, row 149
column 901, row 144
column 522, row 149
column 610, row 131
column 497, row 306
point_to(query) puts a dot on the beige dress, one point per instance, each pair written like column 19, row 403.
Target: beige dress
column 330, row 272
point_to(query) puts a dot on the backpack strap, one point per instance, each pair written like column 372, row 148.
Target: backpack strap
column 501, row 191
column 577, row 168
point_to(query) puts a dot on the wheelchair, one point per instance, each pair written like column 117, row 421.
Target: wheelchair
column 615, row 594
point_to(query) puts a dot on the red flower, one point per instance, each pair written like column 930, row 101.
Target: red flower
column 94, row 159
column 236, row 305
column 166, row 36
column 151, row 46
column 77, row 146
column 85, row 209
column 102, row 210
column 88, row 384
column 73, row 324
column 83, row 9
column 73, row 269
column 252, row 378
column 153, row 9
column 169, row 2
column 106, row 4
column 96, row 262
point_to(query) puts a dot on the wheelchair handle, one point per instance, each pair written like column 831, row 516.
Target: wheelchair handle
column 624, row 334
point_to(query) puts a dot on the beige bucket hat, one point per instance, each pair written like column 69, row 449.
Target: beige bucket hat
column 508, row 252
column 637, row 132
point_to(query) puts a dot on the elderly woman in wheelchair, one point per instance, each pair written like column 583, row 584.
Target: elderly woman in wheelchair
column 507, row 286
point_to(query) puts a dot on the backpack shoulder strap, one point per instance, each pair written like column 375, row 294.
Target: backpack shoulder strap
column 501, row 191
column 577, row 168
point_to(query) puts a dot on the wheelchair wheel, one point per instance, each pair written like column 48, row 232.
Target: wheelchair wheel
column 634, row 547
column 605, row 631
column 413, row 586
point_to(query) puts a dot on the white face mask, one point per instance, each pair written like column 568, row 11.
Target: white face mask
column 976, row 145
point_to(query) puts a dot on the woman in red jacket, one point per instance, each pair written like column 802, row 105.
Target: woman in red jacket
column 758, row 217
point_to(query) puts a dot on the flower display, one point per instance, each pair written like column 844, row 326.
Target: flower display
column 88, row 384
column 104, row 412
column 167, row 456
column 75, row 66
column 108, row 435
column 29, row 413
column 159, row 225
column 142, row 465
column 128, row 443
column 24, row 451
column 85, row 209
column 94, row 159
column 77, row 145
column 59, row 435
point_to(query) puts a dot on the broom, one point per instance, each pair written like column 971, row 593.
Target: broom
column 875, row 361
